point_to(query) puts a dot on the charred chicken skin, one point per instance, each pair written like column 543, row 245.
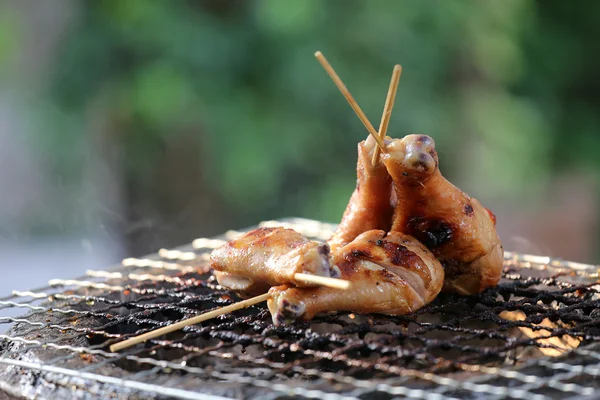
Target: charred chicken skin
column 458, row 230
column 391, row 274
column 369, row 207
column 267, row 257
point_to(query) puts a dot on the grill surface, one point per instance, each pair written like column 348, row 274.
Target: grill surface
column 536, row 335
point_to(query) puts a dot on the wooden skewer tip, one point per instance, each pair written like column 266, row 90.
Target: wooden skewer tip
column 387, row 109
column 323, row 281
column 346, row 93
column 187, row 322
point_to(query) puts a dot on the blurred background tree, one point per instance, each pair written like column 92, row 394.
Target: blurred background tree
column 155, row 122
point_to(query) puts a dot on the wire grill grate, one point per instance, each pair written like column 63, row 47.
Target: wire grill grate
column 534, row 335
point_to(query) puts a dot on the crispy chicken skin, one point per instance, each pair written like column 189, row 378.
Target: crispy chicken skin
column 266, row 257
column 391, row 274
column 370, row 206
column 455, row 227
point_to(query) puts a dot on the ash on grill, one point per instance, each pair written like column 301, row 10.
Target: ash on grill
column 532, row 335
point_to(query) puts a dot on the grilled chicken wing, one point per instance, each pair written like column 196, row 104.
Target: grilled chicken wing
column 454, row 226
column 266, row 257
column 369, row 207
column 390, row 273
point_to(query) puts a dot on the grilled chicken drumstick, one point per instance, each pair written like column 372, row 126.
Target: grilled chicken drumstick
column 454, row 226
column 391, row 274
column 267, row 257
column 369, row 207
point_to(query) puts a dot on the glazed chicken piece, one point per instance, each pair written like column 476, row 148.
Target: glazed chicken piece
column 391, row 274
column 369, row 207
column 454, row 226
column 267, row 257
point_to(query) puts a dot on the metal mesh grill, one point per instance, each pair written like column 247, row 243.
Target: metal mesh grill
column 534, row 335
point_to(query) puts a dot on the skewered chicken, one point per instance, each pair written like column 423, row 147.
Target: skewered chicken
column 267, row 257
column 370, row 206
column 455, row 227
column 391, row 274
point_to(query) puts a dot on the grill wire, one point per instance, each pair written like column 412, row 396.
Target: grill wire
column 533, row 336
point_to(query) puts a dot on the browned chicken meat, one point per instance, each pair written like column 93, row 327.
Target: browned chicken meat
column 455, row 227
column 369, row 207
column 267, row 257
column 391, row 274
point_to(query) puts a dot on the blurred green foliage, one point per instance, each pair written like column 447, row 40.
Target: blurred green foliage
column 507, row 89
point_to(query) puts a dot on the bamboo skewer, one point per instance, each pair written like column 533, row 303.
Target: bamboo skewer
column 187, row 322
column 323, row 281
column 387, row 110
column 319, row 280
column 359, row 112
